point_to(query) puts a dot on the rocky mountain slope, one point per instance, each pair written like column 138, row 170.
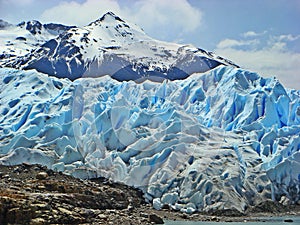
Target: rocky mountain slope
column 109, row 46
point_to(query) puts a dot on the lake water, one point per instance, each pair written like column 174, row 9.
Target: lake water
column 266, row 221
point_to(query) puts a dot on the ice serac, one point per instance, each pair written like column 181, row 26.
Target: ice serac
column 224, row 139
column 111, row 46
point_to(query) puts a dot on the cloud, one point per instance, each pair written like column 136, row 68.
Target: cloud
column 288, row 37
column 15, row 11
column 163, row 19
column 274, row 59
column 176, row 14
column 74, row 13
column 250, row 34
column 230, row 43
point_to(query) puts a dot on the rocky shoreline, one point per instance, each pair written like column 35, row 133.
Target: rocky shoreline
column 35, row 195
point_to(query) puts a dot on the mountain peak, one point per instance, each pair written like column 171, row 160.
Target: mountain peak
column 33, row 26
column 112, row 28
column 108, row 17
column 111, row 15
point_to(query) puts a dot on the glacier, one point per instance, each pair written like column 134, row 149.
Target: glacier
column 223, row 139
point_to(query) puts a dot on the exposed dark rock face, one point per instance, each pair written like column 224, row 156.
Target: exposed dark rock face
column 35, row 195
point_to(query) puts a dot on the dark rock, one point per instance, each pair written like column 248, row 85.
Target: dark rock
column 42, row 176
column 21, row 39
column 269, row 206
column 130, row 208
column 17, row 170
column 103, row 217
column 41, row 196
column 6, row 176
column 38, row 221
column 153, row 218
column 144, row 215
column 288, row 221
column 184, row 216
column 227, row 212
column 34, row 27
column 165, row 206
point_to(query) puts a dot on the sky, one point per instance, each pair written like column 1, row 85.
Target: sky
column 259, row 35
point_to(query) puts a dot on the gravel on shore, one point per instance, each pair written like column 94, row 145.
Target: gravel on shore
column 35, row 195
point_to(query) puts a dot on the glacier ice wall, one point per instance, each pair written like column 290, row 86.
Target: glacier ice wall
column 220, row 140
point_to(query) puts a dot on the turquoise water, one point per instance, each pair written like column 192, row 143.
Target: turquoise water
column 266, row 221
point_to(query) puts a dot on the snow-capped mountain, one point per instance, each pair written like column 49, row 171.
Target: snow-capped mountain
column 19, row 40
column 211, row 137
column 110, row 46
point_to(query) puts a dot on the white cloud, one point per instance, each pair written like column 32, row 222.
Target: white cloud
column 279, row 46
column 282, row 41
column 161, row 19
column 253, row 34
column 272, row 60
column 288, row 37
column 74, row 13
column 230, row 43
column 177, row 14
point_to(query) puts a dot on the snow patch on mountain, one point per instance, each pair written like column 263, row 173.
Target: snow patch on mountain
column 19, row 40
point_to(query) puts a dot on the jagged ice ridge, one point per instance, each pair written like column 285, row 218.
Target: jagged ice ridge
column 181, row 142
